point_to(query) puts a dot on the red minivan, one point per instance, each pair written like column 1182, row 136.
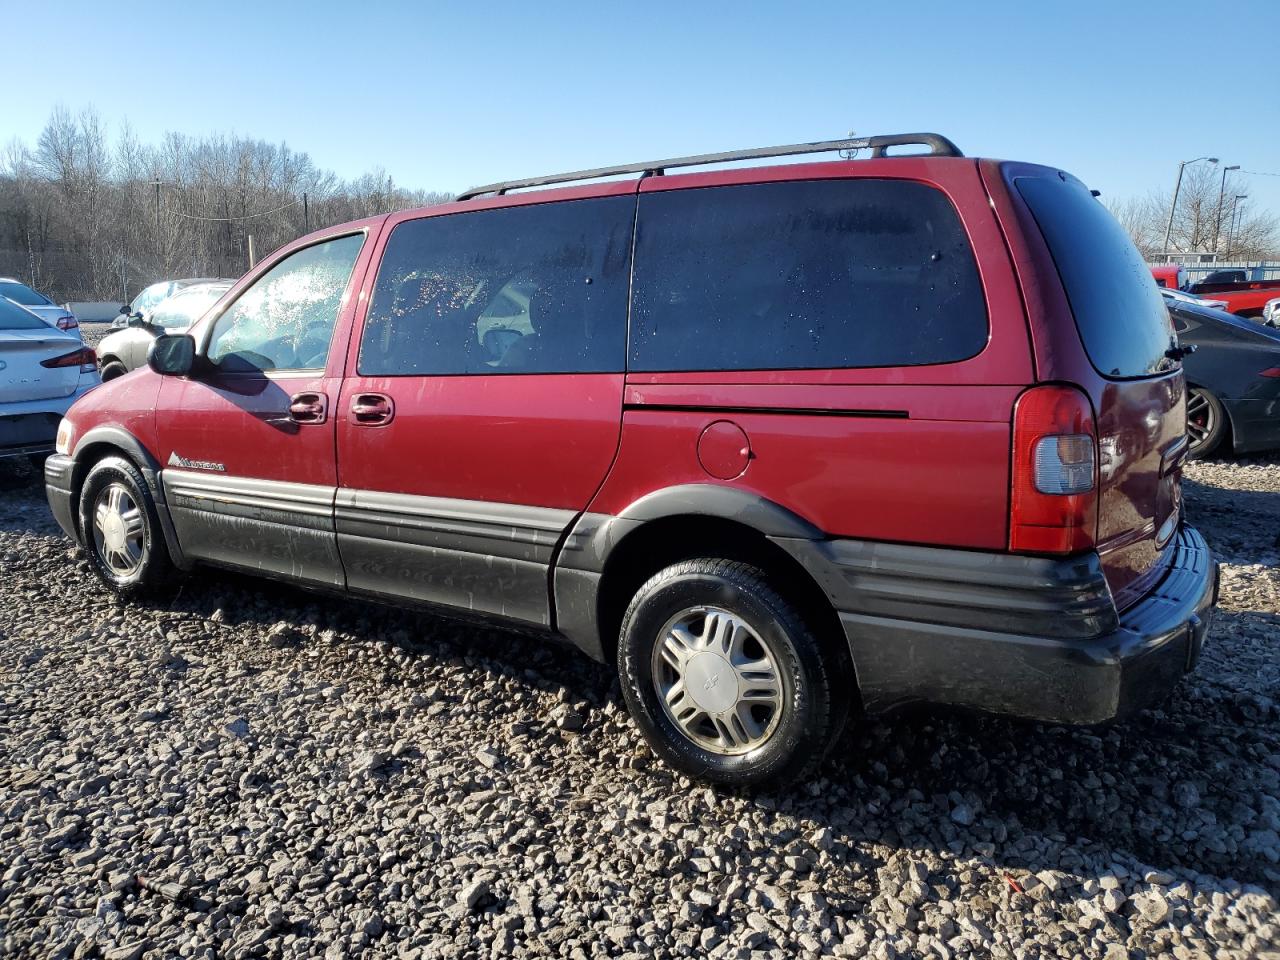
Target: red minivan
column 781, row 442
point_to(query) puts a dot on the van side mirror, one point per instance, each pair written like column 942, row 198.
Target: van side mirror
column 172, row 355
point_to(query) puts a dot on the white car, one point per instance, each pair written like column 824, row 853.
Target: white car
column 43, row 371
column 39, row 304
column 1179, row 296
column 126, row 350
column 152, row 296
column 1271, row 313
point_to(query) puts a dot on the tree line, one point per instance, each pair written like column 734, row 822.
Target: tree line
column 88, row 216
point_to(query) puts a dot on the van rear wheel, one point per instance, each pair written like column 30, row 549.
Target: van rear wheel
column 724, row 677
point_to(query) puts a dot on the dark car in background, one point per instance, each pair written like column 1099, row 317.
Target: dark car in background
column 1233, row 379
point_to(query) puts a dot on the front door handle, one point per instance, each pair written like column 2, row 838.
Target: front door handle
column 372, row 409
column 308, row 408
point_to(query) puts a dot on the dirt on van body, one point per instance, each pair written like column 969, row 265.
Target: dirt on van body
column 245, row 769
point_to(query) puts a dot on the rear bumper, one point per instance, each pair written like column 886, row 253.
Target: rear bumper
column 1026, row 636
column 31, row 426
column 57, row 488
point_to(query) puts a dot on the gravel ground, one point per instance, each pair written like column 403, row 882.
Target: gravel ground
column 242, row 769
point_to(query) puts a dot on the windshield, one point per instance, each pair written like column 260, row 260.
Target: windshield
column 21, row 293
column 151, row 296
column 13, row 317
column 184, row 309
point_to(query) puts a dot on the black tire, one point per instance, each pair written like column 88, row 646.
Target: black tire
column 813, row 675
column 154, row 568
column 112, row 369
column 1206, row 422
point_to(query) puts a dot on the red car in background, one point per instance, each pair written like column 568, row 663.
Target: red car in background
column 1246, row 298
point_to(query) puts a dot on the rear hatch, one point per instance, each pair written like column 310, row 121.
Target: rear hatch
column 22, row 377
column 1141, row 406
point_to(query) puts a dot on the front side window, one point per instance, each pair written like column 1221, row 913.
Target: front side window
column 285, row 320
column 803, row 275
column 531, row 289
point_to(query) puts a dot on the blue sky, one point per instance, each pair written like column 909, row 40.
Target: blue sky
column 445, row 96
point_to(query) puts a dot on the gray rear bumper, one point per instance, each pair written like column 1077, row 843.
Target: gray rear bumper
column 1029, row 636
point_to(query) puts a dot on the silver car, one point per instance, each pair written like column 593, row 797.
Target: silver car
column 43, row 370
column 126, row 350
column 39, row 304
column 152, row 296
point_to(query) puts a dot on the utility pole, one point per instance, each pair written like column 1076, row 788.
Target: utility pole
column 157, row 185
column 1168, row 232
column 1235, row 208
column 1217, row 221
column 306, row 213
column 252, row 259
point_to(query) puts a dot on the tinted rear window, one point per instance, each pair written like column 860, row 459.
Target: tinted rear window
column 803, row 275
column 1118, row 308
column 528, row 289
column 13, row 317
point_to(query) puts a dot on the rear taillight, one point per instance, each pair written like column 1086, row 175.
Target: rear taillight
column 1053, row 507
column 1270, row 372
column 68, row 323
column 84, row 358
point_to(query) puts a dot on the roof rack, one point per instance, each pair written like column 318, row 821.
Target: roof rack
column 939, row 146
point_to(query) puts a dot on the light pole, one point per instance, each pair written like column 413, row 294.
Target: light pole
column 1168, row 232
column 1235, row 208
column 1217, row 221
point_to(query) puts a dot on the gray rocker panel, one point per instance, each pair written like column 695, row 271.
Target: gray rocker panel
column 270, row 526
column 491, row 558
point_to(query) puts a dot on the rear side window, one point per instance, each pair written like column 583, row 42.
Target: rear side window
column 803, row 275
column 1118, row 309
column 21, row 293
column 536, row 289
column 13, row 317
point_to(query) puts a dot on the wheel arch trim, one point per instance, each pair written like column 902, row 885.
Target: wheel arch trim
column 91, row 447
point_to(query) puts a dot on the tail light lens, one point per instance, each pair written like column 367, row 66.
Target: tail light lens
column 1053, row 507
column 1273, row 372
column 84, row 358
column 68, row 323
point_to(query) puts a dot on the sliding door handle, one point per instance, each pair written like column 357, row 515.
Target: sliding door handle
column 372, row 409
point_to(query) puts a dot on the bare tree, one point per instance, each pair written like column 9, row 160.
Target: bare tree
column 84, row 218
column 1200, row 223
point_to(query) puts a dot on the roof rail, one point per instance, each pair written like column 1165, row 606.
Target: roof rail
column 939, row 146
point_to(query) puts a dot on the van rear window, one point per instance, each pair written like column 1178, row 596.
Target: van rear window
column 805, row 274
column 1118, row 308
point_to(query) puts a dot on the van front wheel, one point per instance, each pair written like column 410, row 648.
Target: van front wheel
column 724, row 677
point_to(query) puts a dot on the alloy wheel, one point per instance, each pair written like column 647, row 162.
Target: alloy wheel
column 718, row 680
column 118, row 530
column 1202, row 417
